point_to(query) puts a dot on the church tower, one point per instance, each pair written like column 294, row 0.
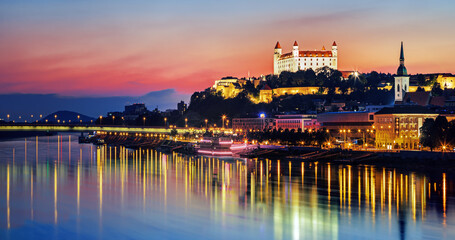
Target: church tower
column 401, row 79
column 276, row 55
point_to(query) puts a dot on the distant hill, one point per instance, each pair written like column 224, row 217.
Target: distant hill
column 68, row 117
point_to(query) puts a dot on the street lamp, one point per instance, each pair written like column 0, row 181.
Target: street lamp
column 143, row 120
column 227, row 123
column 206, row 122
column 101, row 120
column 7, row 117
column 113, row 120
column 186, row 122
column 165, row 120
column 223, row 117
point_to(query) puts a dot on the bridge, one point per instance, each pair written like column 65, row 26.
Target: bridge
column 34, row 127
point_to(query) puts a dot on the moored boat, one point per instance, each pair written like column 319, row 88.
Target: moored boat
column 215, row 146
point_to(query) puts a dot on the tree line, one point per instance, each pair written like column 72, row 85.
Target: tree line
column 291, row 137
column 438, row 133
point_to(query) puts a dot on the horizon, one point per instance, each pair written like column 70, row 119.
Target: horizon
column 118, row 49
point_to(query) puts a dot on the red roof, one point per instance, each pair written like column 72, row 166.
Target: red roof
column 309, row 54
column 277, row 45
column 266, row 87
column 315, row 53
column 334, row 43
column 437, row 101
column 295, row 44
column 420, row 98
column 346, row 74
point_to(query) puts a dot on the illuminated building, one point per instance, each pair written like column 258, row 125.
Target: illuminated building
column 447, row 81
column 133, row 111
column 182, row 107
column 296, row 121
column 302, row 60
column 267, row 94
column 247, row 124
column 399, row 127
column 348, row 125
column 346, row 120
column 230, row 87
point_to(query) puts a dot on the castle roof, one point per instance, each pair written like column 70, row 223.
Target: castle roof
column 277, row 46
column 308, row 54
column 295, row 44
column 334, row 44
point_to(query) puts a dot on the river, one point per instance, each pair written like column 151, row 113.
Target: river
column 51, row 187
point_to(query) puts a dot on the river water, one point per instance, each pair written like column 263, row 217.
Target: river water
column 54, row 188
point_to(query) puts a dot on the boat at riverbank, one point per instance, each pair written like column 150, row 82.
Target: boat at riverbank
column 215, row 146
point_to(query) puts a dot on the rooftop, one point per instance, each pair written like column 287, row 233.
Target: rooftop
column 405, row 109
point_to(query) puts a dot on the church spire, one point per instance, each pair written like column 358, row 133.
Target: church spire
column 402, row 69
column 401, row 54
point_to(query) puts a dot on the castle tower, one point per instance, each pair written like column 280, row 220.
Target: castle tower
column 295, row 49
column 276, row 56
column 401, row 79
column 334, row 55
column 295, row 54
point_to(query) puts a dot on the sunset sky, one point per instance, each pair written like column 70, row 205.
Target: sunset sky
column 118, row 48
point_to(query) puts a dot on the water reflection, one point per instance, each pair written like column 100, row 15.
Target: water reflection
column 116, row 188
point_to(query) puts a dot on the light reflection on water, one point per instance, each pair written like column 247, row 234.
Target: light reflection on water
column 53, row 187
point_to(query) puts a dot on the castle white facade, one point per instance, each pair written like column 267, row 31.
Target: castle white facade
column 303, row 60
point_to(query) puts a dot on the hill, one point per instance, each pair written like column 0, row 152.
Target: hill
column 67, row 117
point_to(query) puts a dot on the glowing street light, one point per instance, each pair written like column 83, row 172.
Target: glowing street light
column 113, row 120
column 101, row 120
column 186, row 122
column 143, row 120
column 206, row 122
column 165, row 120
column 223, row 118
column 7, row 117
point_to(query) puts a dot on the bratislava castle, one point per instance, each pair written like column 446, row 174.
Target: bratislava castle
column 303, row 60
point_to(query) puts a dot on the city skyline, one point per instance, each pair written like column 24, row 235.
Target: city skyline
column 117, row 49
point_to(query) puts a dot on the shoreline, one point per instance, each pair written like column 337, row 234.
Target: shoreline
column 421, row 161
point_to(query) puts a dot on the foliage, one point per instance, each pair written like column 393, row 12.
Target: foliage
column 173, row 132
column 291, row 137
column 437, row 133
column 436, row 90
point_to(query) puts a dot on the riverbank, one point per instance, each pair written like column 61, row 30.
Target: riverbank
column 410, row 160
